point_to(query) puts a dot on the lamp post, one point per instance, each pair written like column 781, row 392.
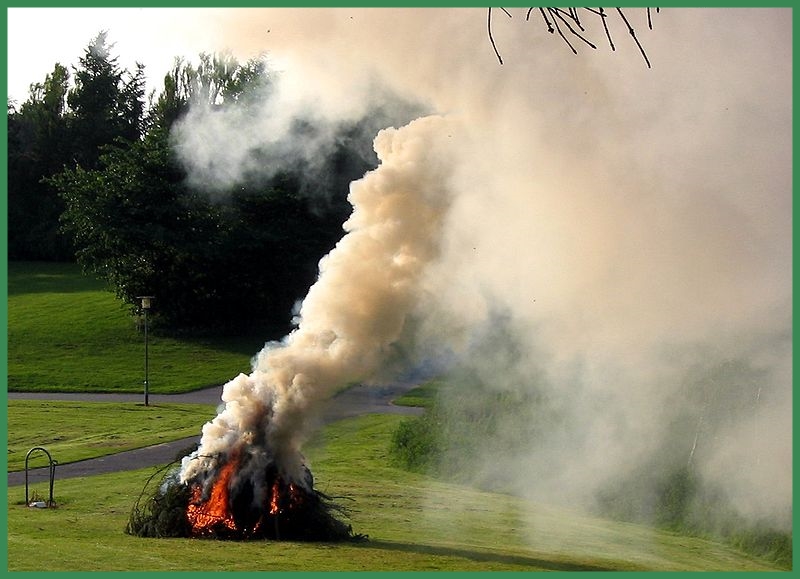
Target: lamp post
column 145, row 309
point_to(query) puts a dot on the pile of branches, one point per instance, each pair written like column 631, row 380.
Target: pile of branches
column 161, row 512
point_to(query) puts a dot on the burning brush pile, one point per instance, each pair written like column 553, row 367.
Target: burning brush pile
column 239, row 502
column 248, row 479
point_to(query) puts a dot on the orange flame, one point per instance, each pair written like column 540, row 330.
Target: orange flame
column 284, row 498
column 203, row 516
column 275, row 497
column 208, row 517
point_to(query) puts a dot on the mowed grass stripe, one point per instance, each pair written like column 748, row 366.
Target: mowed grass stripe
column 73, row 431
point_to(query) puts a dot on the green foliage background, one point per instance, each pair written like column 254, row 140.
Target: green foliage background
column 94, row 178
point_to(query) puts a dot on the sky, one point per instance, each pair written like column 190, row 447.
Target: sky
column 633, row 225
column 153, row 36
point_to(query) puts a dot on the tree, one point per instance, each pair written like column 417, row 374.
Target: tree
column 238, row 258
column 38, row 146
column 244, row 258
column 210, row 265
column 129, row 218
column 60, row 126
column 104, row 105
column 217, row 80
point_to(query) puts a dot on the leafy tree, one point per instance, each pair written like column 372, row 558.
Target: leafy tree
column 132, row 105
column 210, row 265
column 61, row 126
column 216, row 81
column 38, row 145
column 220, row 78
column 242, row 259
column 128, row 216
column 104, row 104
column 238, row 258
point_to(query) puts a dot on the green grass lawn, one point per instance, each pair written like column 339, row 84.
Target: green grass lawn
column 73, row 431
column 68, row 333
column 422, row 396
column 414, row 524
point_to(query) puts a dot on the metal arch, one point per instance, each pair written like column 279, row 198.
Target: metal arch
column 53, row 464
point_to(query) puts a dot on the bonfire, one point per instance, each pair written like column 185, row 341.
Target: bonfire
column 247, row 479
column 228, row 505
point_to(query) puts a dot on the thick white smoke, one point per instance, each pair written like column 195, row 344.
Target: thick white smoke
column 356, row 311
column 633, row 223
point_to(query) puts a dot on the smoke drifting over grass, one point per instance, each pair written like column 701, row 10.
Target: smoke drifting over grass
column 634, row 225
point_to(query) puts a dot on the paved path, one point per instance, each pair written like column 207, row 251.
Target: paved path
column 355, row 401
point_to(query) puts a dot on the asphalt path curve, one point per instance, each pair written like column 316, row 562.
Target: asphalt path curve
column 355, row 401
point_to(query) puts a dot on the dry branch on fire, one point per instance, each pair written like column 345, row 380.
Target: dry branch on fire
column 226, row 506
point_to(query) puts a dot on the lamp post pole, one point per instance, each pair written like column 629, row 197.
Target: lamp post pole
column 146, row 308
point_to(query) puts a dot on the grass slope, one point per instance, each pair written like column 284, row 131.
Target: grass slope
column 422, row 396
column 73, row 431
column 68, row 333
column 414, row 524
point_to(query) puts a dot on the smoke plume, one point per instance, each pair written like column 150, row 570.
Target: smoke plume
column 356, row 311
column 632, row 225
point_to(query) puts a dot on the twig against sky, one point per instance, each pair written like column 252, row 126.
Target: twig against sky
column 567, row 23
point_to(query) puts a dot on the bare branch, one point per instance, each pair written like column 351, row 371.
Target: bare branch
column 598, row 12
column 491, row 38
column 558, row 28
column 649, row 19
column 605, row 27
column 558, row 13
column 550, row 28
column 633, row 34
column 567, row 22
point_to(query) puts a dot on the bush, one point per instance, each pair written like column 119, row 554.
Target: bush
column 414, row 446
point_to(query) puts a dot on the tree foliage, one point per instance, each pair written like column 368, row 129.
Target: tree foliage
column 214, row 81
column 62, row 126
column 93, row 177
column 210, row 264
column 38, row 145
column 231, row 261
column 106, row 103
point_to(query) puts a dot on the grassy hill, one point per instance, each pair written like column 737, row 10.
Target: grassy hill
column 66, row 332
column 414, row 524
column 69, row 333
